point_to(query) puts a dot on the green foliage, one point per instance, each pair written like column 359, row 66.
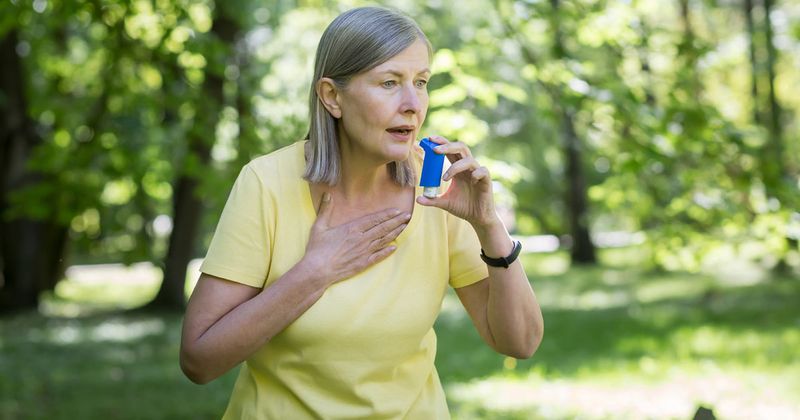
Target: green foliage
column 668, row 144
column 663, row 111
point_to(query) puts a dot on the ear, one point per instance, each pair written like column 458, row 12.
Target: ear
column 328, row 93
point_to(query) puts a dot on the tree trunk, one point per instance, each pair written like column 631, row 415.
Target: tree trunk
column 774, row 150
column 689, row 51
column 187, row 211
column 643, row 53
column 187, row 206
column 775, row 165
column 31, row 251
column 583, row 249
column 751, row 34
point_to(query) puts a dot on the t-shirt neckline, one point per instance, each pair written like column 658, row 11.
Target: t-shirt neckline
column 308, row 203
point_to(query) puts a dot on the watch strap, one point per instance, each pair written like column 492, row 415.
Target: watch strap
column 503, row 261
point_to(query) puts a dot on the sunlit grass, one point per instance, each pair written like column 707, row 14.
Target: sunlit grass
column 625, row 343
column 120, row 366
column 620, row 342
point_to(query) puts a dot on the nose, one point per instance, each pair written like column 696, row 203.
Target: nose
column 411, row 102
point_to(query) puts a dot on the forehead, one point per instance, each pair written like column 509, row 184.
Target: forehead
column 414, row 58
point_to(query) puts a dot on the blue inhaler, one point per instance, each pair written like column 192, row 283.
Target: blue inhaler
column 432, row 165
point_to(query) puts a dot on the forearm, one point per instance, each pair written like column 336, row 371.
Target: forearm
column 251, row 324
column 513, row 314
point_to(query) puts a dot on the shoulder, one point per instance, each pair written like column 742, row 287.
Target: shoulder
column 285, row 156
column 278, row 166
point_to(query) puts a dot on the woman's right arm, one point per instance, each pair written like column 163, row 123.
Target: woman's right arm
column 226, row 321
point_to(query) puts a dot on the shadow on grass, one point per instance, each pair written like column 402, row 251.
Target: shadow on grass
column 104, row 366
column 125, row 365
column 754, row 325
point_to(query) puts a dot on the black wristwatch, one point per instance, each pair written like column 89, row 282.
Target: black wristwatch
column 503, row 261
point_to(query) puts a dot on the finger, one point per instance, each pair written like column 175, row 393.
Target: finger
column 384, row 240
column 432, row 202
column 454, row 150
column 365, row 223
column 324, row 211
column 468, row 164
column 480, row 174
column 439, row 139
column 387, row 226
column 381, row 254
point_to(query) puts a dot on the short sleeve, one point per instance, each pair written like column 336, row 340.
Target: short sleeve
column 466, row 266
column 240, row 248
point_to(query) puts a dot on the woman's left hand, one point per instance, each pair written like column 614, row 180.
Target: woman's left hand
column 470, row 194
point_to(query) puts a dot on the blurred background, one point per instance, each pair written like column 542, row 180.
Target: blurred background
column 646, row 152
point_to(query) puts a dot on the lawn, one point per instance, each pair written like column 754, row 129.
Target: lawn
column 619, row 343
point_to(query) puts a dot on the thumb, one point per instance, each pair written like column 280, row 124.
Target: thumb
column 432, row 202
column 324, row 211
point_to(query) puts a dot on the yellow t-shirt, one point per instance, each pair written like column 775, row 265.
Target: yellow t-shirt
column 366, row 348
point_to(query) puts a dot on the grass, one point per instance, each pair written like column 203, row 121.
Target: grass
column 619, row 343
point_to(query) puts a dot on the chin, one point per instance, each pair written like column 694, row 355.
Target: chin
column 399, row 152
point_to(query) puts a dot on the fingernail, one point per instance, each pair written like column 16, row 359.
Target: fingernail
column 407, row 216
column 437, row 149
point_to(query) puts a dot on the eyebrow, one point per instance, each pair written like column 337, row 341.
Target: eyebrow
column 399, row 74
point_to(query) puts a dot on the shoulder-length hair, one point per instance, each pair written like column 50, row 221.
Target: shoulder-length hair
column 356, row 41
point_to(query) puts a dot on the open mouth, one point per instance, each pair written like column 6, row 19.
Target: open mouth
column 403, row 131
column 399, row 131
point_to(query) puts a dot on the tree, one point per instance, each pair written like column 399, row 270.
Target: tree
column 566, row 106
column 31, row 248
column 187, row 206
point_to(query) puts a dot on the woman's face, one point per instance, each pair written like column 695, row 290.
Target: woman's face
column 383, row 109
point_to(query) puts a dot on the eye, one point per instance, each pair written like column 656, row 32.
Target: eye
column 389, row 84
column 421, row 83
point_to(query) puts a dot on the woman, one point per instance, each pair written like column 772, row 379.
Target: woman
column 325, row 277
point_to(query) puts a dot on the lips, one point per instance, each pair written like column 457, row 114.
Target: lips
column 401, row 129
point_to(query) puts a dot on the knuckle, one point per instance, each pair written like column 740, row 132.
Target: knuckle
column 393, row 225
column 385, row 231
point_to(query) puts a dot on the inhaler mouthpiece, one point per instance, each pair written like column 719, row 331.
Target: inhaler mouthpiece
column 430, row 192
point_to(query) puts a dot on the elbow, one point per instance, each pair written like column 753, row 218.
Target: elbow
column 521, row 352
column 193, row 369
column 525, row 349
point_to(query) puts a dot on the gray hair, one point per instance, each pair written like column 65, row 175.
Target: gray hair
column 355, row 42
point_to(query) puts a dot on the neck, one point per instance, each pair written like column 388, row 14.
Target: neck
column 362, row 179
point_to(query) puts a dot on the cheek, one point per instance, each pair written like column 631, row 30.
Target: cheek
column 423, row 108
column 356, row 114
column 369, row 110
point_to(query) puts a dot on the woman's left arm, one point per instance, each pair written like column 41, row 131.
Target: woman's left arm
column 502, row 306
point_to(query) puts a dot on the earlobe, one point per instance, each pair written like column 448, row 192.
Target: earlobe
column 328, row 95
